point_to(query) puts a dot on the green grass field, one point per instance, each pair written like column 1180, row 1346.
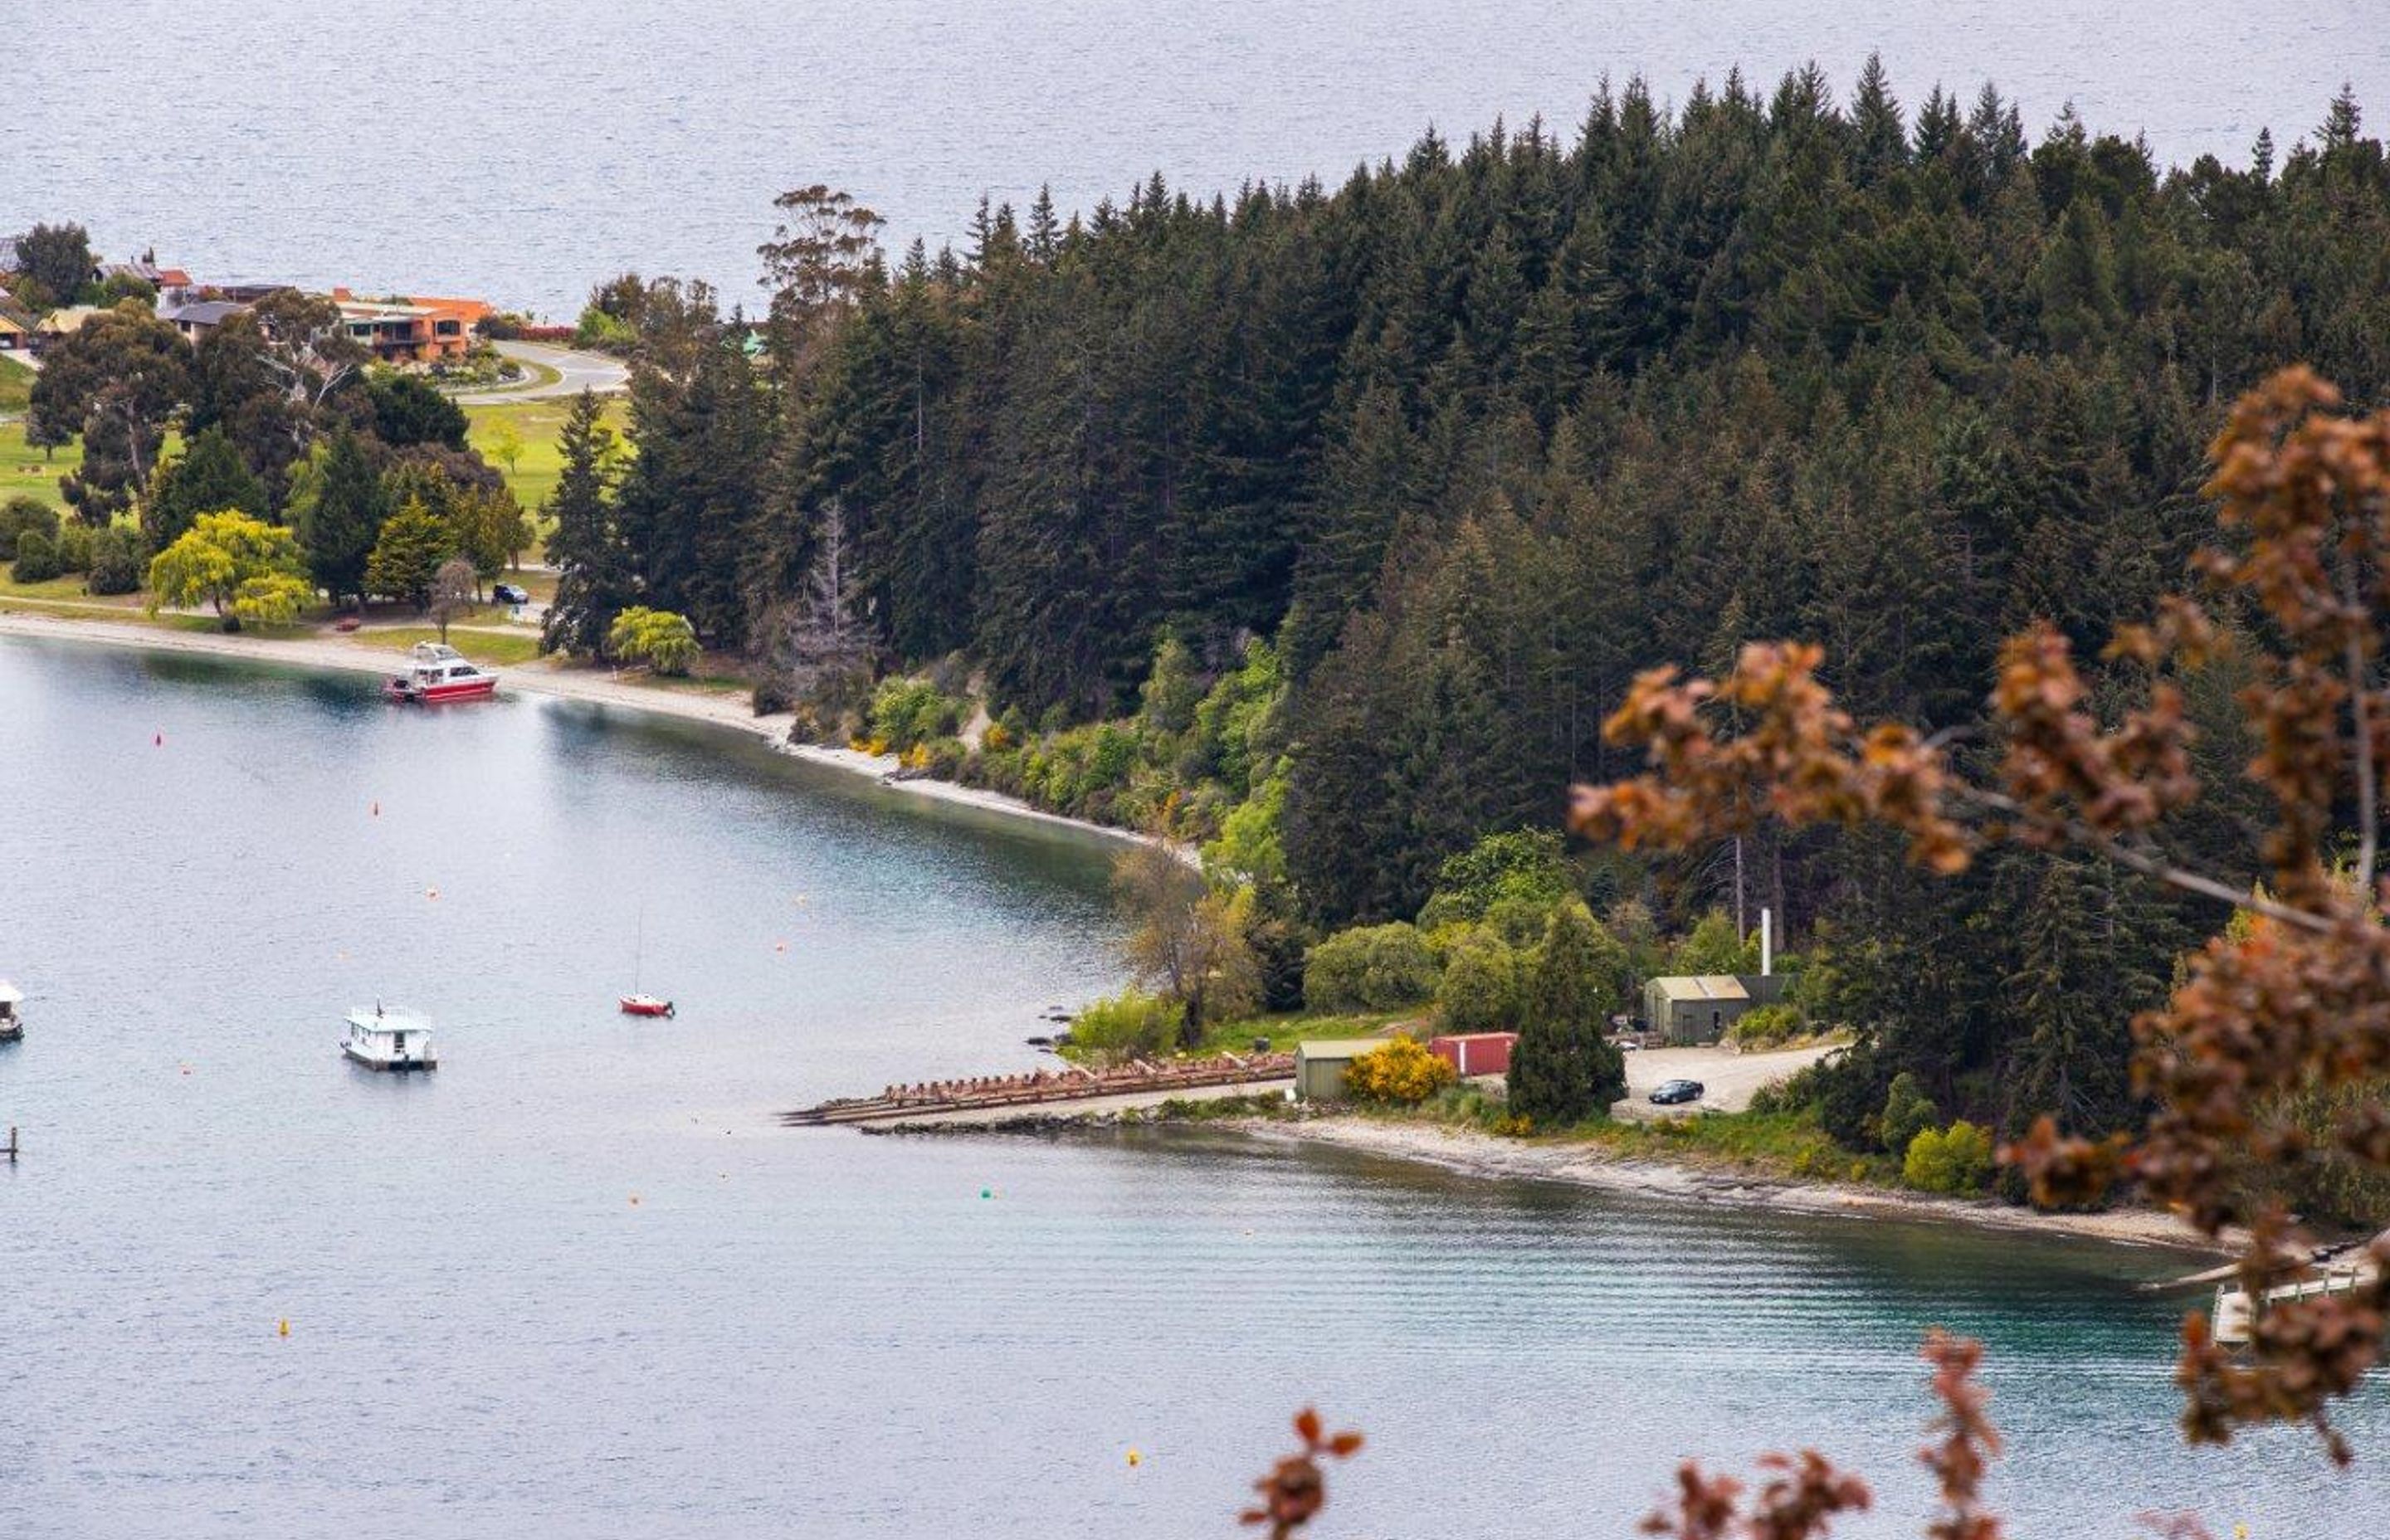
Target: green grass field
column 534, row 475
column 15, row 385
column 483, row 647
column 26, row 472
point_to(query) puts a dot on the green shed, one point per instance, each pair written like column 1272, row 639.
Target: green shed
column 1319, row 1066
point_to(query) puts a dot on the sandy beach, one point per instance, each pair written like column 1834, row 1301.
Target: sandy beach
column 594, row 683
column 1475, row 1154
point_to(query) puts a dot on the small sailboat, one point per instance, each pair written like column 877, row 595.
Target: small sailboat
column 390, row 1040
column 12, row 1015
column 635, row 1003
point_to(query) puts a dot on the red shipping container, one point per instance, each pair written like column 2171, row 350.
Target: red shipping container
column 1476, row 1053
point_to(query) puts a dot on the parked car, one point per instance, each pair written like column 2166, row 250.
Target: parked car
column 1674, row 1091
column 508, row 592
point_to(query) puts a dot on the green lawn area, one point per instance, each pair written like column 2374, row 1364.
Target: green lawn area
column 26, row 472
column 483, row 647
column 15, row 385
column 1286, row 1028
column 534, row 475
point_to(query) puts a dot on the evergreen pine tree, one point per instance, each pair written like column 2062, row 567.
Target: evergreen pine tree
column 1564, row 1068
column 594, row 577
column 340, row 516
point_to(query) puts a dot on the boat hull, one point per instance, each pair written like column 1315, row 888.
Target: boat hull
column 636, row 1006
column 442, row 695
column 388, row 1066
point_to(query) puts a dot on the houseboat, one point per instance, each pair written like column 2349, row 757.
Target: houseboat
column 437, row 674
column 12, row 1015
column 382, row 1039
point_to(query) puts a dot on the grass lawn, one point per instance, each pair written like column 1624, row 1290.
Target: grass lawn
column 15, row 385
column 534, row 475
column 483, row 647
column 25, row 472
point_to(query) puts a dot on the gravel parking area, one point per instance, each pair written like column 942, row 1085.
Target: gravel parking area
column 1728, row 1078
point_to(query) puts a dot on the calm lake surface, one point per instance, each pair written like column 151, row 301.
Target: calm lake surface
column 523, row 150
column 812, row 1333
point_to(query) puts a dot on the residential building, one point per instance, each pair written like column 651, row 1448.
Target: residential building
column 173, row 284
column 409, row 330
column 15, row 329
column 63, row 322
column 196, row 318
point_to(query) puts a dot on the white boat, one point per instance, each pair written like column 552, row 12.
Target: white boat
column 12, row 1018
column 382, row 1039
column 438, row 674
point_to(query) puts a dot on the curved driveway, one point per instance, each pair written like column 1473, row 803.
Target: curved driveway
column 577, row 371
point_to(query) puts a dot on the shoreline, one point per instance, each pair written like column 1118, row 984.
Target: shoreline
column 588, row 684
column 1469, row 1153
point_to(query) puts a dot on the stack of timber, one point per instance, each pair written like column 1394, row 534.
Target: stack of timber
column 1046, row 1087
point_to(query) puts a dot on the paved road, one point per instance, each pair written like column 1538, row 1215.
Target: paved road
column 576, row 372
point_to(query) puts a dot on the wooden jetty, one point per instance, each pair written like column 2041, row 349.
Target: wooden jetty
column 2235, row 1320
column 1059, row 1088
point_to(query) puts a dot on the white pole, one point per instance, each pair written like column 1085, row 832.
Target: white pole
column 1766, row 942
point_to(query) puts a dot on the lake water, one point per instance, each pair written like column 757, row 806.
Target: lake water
column 813, row 1332
column 522, row 149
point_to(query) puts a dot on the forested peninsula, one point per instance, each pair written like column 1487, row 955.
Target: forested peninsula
column 1325, row 526
column 1320, row 528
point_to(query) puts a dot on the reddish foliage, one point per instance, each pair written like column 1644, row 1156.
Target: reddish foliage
column 1296, row 1489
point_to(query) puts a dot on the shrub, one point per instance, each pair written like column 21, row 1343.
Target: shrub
column 906, row 711
column 1479, row 991
column 116, row 566
column 663, row 641
column 1369, row 968
column 74, row 547
column 1797, row 1092
column 37, row 558
column 1131, row 1024
column 1956, row 1161
column 1908, row 1111
column 1766, row 1026
column 1397, row 1072
column 19, row 515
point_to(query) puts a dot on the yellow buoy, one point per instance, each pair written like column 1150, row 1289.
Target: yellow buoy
column 282, row 1327
column 1135, row 1460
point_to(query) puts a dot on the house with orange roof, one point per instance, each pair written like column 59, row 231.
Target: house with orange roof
column 411, row 330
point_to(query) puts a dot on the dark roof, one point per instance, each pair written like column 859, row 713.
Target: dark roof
column 204, row 313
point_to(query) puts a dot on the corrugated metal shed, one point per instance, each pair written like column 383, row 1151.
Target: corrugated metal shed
column 1319, row 1066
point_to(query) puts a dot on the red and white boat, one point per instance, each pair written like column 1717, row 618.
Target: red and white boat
column 645, row 1005
column 438, row 674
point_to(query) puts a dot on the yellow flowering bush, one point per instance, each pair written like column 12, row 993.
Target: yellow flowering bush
column 1399, row 1071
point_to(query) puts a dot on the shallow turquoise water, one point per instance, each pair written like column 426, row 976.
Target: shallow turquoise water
column 813, row 1332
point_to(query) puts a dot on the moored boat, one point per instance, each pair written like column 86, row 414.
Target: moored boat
column 438, row 674
column 645, row 1005
column 393, row 1040
column 12, row 1015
